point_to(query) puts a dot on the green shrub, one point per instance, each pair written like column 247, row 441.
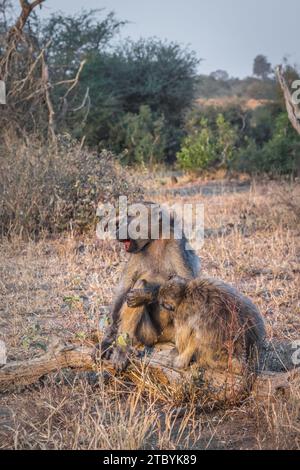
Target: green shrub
column 141, row 137
column 279, row 155
column 208, row 145
column 198, row 149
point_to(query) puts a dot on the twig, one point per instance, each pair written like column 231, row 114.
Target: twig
column 51, row 113
column 75, row 80
column 22, row 82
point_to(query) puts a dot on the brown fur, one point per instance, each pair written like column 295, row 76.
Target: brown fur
column 214, row 324
column 136, row 312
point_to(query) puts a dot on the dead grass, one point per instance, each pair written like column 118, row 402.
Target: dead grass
column 54, row 187
column 59, row 286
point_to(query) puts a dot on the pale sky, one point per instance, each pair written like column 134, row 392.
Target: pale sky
column 227, row 34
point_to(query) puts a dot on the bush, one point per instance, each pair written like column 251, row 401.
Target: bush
column 208, row 145
column 197, row 150
column 141, row 137
column 50, row 188
column 279, row 155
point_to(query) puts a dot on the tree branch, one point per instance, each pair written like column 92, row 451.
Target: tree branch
column 14, row 34
column 153, row 371
column 292, row 109
column 26, row 10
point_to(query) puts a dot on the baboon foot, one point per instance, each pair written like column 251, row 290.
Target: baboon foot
column 181, row 362
column 120, row 359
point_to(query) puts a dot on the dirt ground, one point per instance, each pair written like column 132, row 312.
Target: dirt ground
column 61, row 287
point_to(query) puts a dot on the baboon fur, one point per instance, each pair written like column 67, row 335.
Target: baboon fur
column 215, row 325
column 136, row 312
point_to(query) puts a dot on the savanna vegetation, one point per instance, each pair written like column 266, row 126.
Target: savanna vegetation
column 89, row 118
column 69, row 80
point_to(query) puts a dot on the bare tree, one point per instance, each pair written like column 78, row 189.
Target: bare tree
column 293, row 109
column 14, row 34
column 24, row 69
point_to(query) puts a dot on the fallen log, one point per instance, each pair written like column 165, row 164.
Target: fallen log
column 152, row 371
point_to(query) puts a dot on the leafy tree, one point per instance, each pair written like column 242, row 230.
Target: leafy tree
column 220, row 75
column 261, row 67
column 70, row 40
column 210, row 87
column 262, row 123
column 74, row 38
column 140, row 137
column 281, row 153
column 147, row 72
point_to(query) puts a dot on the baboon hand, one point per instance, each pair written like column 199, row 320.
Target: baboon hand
column 139, row 297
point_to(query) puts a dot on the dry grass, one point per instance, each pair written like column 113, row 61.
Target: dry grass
column 59, row 286
column 54, row 187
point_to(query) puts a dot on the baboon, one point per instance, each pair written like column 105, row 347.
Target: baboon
column 136, row 312
column 214, row 324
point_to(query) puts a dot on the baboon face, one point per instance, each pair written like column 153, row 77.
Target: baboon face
column 131, row 245
column 171, row 293
column 148, row 224
column 134, row 246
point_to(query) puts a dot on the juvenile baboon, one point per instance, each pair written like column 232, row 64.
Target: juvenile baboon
column 136, row 313
column 214, row 324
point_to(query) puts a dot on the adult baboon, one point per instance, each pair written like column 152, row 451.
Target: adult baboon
column 214, row 324
column 154, row 261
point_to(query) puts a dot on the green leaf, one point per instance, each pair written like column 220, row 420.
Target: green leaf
column 123, row 340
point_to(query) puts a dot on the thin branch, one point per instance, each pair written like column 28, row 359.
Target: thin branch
column 22, row 82
column 86, row 99
column 75, row 79
column 86, row 102
column 51, row 113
